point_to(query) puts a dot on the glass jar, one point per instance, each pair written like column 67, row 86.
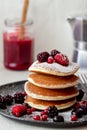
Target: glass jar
column 18, row 51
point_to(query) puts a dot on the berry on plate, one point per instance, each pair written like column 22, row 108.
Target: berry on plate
column 36, row 117
column 44, row 117
column 73, row 118
column 29, row 111
column 52, row 111
column 19, row 110
column 58, row 118
column 19, row 97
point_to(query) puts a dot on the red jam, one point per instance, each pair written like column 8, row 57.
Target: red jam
column 18, row 53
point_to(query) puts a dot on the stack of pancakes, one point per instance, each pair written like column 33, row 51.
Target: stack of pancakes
column 51, row 84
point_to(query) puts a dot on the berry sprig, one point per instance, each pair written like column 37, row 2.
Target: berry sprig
column 53, row 56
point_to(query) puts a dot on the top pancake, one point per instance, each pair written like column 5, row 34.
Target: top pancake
column 54, row 68
column 53, row 82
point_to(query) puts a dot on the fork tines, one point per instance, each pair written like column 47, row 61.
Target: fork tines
column 83, row 81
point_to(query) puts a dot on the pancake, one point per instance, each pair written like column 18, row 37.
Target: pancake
column 54, row 68
column 53, row 82
column 50, row 94
column 42, row 104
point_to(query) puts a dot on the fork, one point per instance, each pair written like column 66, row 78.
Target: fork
column 83, row 81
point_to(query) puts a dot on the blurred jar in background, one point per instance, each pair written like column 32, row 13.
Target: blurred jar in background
column 18, row 51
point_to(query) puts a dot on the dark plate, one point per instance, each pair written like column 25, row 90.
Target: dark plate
column 19, row 87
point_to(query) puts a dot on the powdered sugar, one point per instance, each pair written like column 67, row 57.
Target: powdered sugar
column 56, row 67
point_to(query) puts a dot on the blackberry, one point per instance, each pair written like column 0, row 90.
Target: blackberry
column 84, row 108
column 8, row 99
column 52, row 111
column 54, row 52
column 79, row 112
column 19, row 98
column 2, row 102
column 80, row 96
column 58, row 118
column 42, row 56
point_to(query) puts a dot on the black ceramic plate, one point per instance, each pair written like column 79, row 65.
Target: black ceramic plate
column 19, row 87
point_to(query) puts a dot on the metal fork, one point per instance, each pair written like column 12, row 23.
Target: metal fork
column 83, row 81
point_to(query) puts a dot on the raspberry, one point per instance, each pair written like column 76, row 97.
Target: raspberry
column 54, row 52
column 19, row 110
column 42, row 56
column 61, row 59
column 50, row 59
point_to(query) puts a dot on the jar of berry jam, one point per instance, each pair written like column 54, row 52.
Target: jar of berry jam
column 18, row 51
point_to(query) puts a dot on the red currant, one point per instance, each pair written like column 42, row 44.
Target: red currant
column 73, row 118
column 42, row 113
column 44, row 117
column 36, row 117
column 46, row 111
column 29, row 111
column 33, row 109
column 50, row 60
